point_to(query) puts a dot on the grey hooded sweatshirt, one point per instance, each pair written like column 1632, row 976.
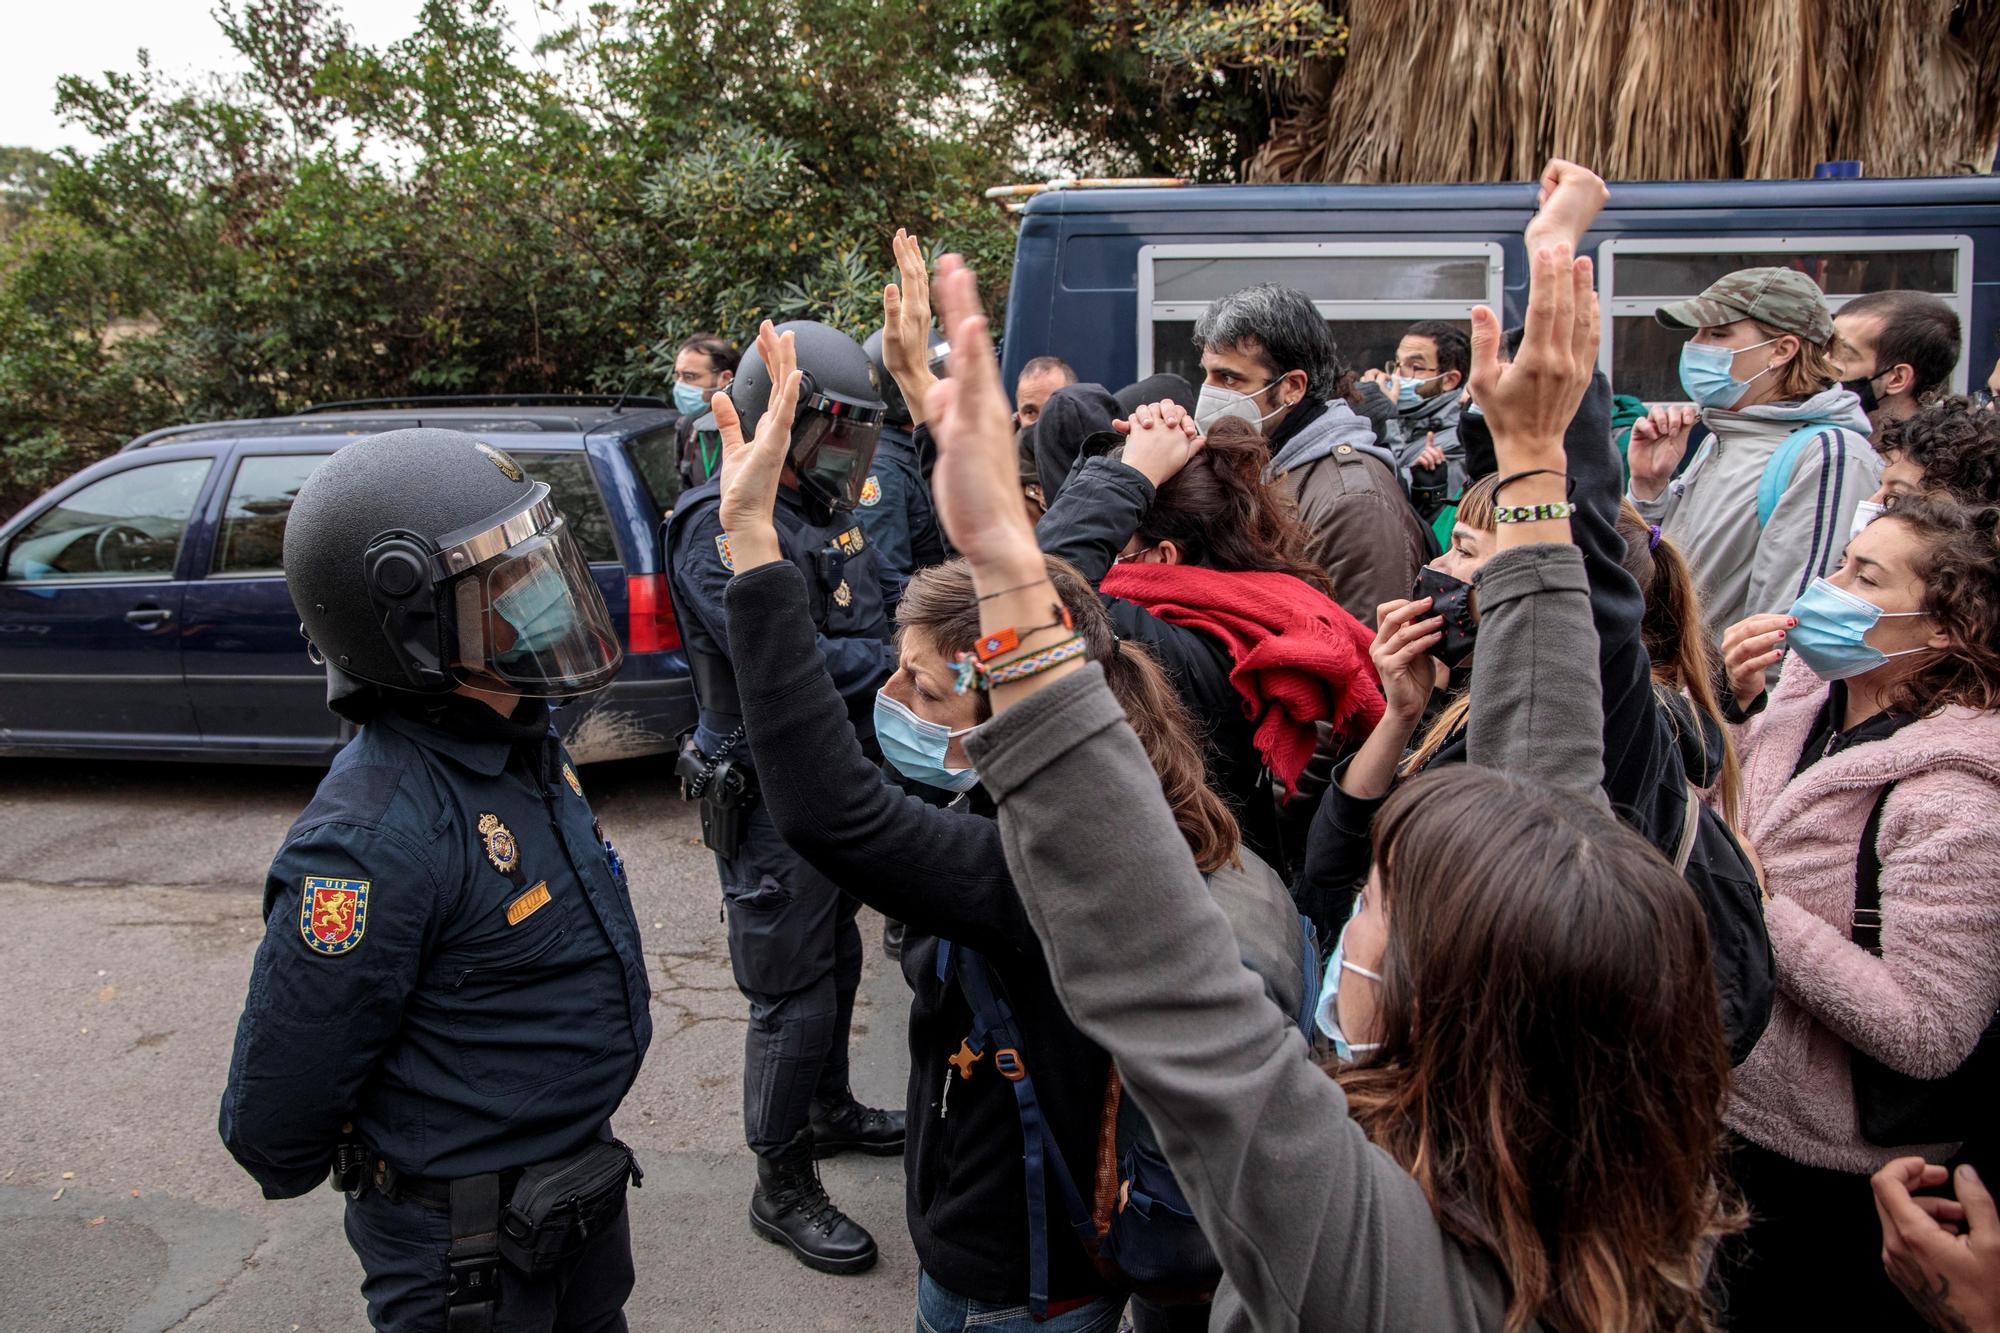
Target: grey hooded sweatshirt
column 1360, row 526
column 1711, row 508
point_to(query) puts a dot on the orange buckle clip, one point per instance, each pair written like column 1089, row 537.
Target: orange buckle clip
column 965, row 1059
column 1008, row 1061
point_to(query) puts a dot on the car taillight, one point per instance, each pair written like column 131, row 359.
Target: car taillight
column 650, row 613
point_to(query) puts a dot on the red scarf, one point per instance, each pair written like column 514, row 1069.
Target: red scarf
column 1299, row 659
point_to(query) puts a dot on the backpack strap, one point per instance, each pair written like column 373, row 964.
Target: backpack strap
column 1866, row 927
column 993, row 1021
column 1778, row 471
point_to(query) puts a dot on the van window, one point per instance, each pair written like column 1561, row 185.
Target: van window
column 252, row 540
column 575, row 493
column 1368, row 292
column 655, row 458
column 126, row 525
column 1639, row 275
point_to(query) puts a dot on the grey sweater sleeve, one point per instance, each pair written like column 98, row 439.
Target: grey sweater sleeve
column 1313, row 1223
column 1537, row 700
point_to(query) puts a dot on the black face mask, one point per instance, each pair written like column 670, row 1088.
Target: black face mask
column 1864, row 389
column 1453, row 599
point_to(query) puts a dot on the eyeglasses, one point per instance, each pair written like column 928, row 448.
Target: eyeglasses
column 1409, row 370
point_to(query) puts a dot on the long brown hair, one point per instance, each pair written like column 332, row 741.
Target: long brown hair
column 1475, row 511
column 1958, row 559
column 941, row 604
column 1684, row 659
column 1222, row 514
column 1552, row 1067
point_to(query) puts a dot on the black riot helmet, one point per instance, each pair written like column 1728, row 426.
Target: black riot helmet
column 892, row 392
column 421, row 560
column 839, row 415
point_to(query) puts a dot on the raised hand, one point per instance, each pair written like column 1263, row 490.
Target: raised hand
column 752, row 469
column 1163, row 439
column 1751, row 647
column 977, row 483
column 1432, row 456
column 1530, row 400
column 906, row 324
column 1659, row 441
column 1571, row 198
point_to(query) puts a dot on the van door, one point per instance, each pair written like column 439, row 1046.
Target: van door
column 90, row 615
column 253, row 687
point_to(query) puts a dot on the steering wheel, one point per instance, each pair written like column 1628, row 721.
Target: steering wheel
column 116, row 543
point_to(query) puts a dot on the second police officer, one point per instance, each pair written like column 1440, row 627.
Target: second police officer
column 450, row 998
column 794, row 947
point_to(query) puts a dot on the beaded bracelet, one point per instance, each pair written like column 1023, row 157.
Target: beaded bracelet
column 1532, row 513
column 970, row 673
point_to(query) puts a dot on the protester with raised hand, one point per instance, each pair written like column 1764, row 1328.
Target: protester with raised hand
column 1555, row 1091
column 943, row 871
column 1645, row 721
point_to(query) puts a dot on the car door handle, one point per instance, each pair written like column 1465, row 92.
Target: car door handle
column 149, row 617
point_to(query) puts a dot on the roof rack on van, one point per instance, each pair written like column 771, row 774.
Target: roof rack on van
column 489, row 400
column 1002, row 194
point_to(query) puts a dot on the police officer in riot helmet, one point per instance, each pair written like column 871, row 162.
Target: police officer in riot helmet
column 793, row 945
column 450, row 997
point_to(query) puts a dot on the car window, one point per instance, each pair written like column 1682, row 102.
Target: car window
column 654, row 458
column 575, row 492
column 252, row 540
column 130, row 523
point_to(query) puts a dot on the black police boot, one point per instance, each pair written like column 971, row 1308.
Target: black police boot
column 790, row 1208
column 892, row 939
column 852, row 1127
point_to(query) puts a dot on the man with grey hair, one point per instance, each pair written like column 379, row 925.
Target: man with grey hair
column 1268, row 358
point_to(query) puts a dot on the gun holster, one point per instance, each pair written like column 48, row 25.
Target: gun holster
column 726, row 789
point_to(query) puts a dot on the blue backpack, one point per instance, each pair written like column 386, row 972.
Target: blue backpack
column 1778, row 471
column 1138, row 1228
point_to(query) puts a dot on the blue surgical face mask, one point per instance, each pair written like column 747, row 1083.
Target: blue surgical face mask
column 1407, row 396
column 538, row 609
column 917, row 748
column 1708, row 373
column 1328, row 1014
column 690, row 399
column 1831, row 637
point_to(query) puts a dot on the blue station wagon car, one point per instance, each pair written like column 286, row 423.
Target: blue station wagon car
column 143, row 611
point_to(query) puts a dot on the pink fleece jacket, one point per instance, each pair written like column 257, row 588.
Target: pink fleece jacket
column 1920, row 1007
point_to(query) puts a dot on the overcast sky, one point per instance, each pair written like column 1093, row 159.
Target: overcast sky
column 47, row 40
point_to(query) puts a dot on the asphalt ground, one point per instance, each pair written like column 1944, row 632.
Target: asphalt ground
column 129, row 914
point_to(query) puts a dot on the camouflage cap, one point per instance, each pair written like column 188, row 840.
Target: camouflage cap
column 1778, row 298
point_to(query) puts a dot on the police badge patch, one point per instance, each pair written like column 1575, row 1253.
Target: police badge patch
column 852, row 542
column 501, row 849
column 722, row 553
column 569, row 776
column 843, row 596
column 333, row 914
column 871, row 493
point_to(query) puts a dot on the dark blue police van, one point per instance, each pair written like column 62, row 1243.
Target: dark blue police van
column 1113, row 280
column 143, row 611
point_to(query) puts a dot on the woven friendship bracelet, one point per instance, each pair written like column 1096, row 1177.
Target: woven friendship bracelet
column 1035, row 664
column 970, row 673
column 1532, row 513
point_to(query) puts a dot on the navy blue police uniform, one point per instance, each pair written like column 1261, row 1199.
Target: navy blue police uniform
column 896, row 513
column 450, row 984
column 794, row 948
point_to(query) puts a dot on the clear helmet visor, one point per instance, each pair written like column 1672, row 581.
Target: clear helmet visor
column 532, row 619
column 833, row 446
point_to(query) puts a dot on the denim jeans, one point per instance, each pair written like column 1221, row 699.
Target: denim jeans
column 943, row 1311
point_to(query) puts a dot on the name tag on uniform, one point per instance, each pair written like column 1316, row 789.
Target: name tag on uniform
column 529, row 903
